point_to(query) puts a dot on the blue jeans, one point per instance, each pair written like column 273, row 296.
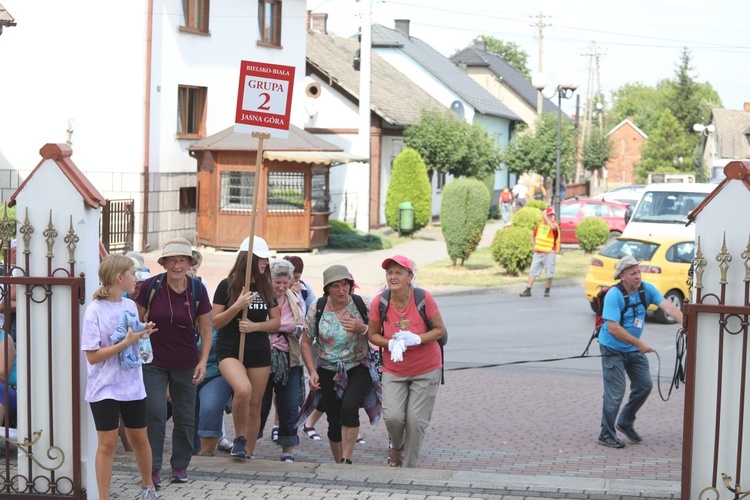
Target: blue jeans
column 182, row 391
column 210, row 403
column 506, row 210
column 287, row 404
column 615, row 365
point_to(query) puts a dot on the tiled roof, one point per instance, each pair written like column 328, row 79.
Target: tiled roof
column 394, row 97
column 5, row 18
column 229, row 140
column 473, row 56
column 732, row 127
column 444, row 70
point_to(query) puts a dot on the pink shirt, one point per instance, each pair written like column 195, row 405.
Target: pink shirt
column 420, row 358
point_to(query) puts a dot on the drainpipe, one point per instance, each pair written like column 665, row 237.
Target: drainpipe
column 147, row 123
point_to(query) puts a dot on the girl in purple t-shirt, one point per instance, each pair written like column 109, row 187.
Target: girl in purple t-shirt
column 113, row 389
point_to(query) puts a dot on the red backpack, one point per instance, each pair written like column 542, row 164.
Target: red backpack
column 599, row 303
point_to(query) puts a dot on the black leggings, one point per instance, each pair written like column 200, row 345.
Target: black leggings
column 344, row 411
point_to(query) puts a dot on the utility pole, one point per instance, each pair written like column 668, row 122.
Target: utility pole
column 540, row 24
column 365, row 75
column 590, row 102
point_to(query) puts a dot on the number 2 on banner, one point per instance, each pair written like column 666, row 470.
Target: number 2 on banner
column 266, row 98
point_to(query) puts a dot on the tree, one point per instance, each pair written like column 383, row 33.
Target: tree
column 511, row 52
column 450, row 145
column 536, row 151
column 596, row 150
column 409, row 182
column 669, row 149
column 463, row 214
column 688, row 101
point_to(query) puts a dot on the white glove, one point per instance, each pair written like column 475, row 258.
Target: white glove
column 408, row 338
column 397, row 348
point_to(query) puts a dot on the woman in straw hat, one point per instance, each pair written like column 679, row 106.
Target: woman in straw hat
column 247, row 371
column 180, row 306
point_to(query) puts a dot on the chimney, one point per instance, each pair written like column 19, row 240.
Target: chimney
column 319, row 21
column 747, row 107
column 402, row 25
column 480, row 44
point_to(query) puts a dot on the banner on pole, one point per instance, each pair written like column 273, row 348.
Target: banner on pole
column 264, row 98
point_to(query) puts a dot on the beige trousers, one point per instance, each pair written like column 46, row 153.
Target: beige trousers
column 407, row 410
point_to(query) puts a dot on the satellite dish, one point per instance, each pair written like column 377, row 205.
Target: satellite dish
column 458, row 108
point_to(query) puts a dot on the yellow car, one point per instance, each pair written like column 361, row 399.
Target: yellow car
column 665, row 263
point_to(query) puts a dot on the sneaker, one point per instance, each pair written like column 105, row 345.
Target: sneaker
column 239, row 447
column 156, row 478
column 275, row 434
column 360, row 440
column 287, row 457
column 610, row 441
column 526, row 293
column 225, row 444
column 546, row 292
column 179, row 475
column 148, row 493
column 629, row 433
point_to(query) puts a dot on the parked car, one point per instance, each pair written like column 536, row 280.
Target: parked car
column 574, row 210
column 665, row 262
column 629, row 195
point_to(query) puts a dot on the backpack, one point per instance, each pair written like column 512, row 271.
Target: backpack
column 419, row 298
column 539, row 194
column 196, row 289
column 358, row 303
column 599, row 303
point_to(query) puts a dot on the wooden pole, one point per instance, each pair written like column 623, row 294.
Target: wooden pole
column 248, row 272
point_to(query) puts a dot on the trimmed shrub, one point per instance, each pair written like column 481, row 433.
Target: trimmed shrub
column 463, row 214
column 409, row 182
column 511, row 249
column 343, row 235
column 538, row 204
column 494, row 213
column 527, row 217
column 592, row 233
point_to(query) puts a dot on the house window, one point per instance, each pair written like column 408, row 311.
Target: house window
column 237, row 190
column 188, row 198
column 286, row 191
column 440, row 181
column 191, row 111
column 269, row 22
column 196, row 15
column 320, row 199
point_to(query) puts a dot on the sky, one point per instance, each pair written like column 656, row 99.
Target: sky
column 637, row 41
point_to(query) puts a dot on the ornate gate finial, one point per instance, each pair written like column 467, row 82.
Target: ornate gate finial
column 50, row 234
column 71, row 239
column 724, row 258
column 699, row 264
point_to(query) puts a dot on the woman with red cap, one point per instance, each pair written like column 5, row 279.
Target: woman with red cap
column 412, row 360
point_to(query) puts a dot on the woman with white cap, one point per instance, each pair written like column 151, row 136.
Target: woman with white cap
column 180, row 306
column 412, row 360
column 247, row 372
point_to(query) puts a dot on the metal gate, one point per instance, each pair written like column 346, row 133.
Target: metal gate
column 42, row 461
column 117, row 226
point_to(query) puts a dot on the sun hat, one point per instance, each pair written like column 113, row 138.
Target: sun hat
column 260, row 247
column 625, row 263
column 401, row 261
column 197, row 255
column 335, row 273
column 177, row 247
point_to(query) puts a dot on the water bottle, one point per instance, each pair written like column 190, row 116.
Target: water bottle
column 145, row 351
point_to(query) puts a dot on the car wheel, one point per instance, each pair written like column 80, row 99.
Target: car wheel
column 612, row 236
column 675, row 297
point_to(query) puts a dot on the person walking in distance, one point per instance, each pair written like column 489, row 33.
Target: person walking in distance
column 519, row 193
column 545, row 239
column 623, row 351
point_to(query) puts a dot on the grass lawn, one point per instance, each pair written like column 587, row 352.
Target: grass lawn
column 480, row 270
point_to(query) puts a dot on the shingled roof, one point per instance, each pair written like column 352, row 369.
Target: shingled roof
column 5, row 18
column 474, row 56
column 394, row 97
column 733, row 133
column 444, row 70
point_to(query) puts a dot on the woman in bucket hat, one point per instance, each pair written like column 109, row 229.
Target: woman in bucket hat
column 248, row 377
column 181, row 308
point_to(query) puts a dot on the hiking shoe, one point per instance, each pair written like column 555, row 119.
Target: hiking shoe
column 546, row 292
column 629, row 433
column 610, row 441
column 179, row 475
column 156, row 478
column 225, row 444
column 526, row 293
column 148, row 493
column 287, row 457
column 239, row 447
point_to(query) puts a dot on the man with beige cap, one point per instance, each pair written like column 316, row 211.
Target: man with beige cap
column 623, row 351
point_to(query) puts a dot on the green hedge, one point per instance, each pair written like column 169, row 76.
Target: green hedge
column 409, row 182
column 343, row 235
column 463, row 214
column 527, row 217
column 511, row 248
column 592, row 233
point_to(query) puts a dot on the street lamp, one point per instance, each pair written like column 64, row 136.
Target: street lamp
column 564, row 90
column 705, row 131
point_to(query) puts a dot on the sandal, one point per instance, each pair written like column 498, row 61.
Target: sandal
column 275, row 434
column 360, row 440
column 395, row 458
column 310, row 432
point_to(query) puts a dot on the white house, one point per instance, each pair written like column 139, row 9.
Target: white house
column 130, row 87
